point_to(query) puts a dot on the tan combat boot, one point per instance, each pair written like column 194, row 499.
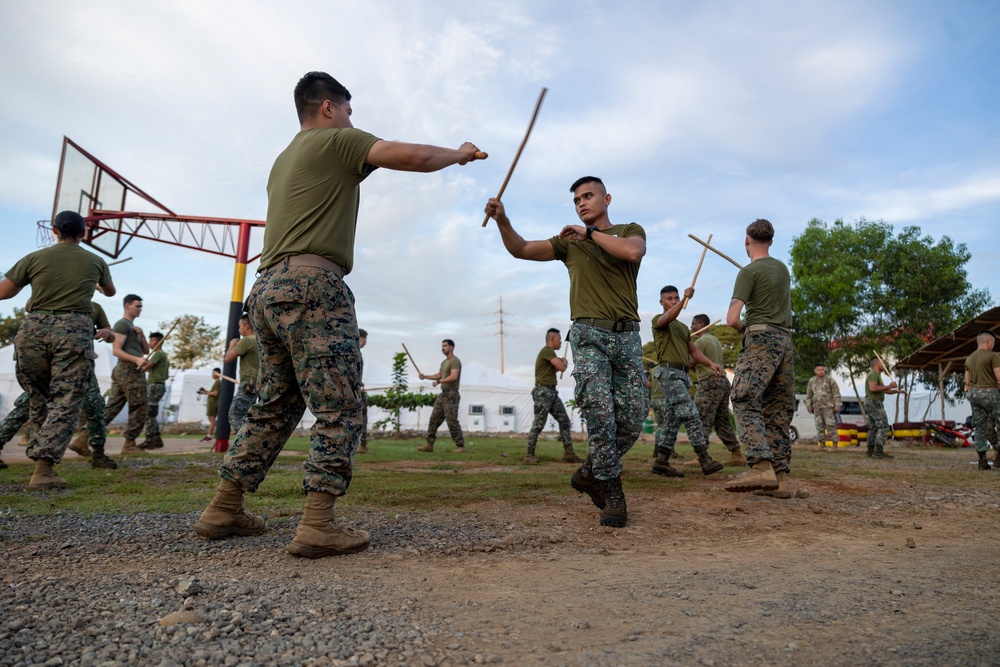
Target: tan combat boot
column 530, row 457
column 735, row 460
column 693, row 463
column 80, row 446
column 45, row 477
column 320, row 535
column 426, row 448
column 130, row 447
column 224, row 516
column 760, row 476
column 782, row 491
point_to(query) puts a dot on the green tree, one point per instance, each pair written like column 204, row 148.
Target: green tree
column 9, row 324
column 396, row 398
column 193, row 342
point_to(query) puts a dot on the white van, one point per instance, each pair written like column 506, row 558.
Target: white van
column 804, row 426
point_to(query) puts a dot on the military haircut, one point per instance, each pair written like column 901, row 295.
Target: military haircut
column 587, row 179
column 313, row 89
column 819, row 365
column 761, row 230
column 69, row 224
column 362, row 333
column 130, row 298
column 667, row 289
column 156, row 334
column 216, row 370
column 553, row 330
column 985, row 337
column 702, row 319
column 449, row 342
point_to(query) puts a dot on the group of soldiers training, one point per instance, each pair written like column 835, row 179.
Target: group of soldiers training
column 302, row 314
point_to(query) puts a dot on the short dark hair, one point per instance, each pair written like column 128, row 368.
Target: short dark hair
column 129, row 298
column 553, row 330
column 585, row 179
column 701, row 317
column 668, row 288
column 315, row 87
column 819, row 365
column 69, row 224
column 449, row 341
column 156, row 334
column 246, row 317
column 362, row 333
column 760, row 230
column 216, row 370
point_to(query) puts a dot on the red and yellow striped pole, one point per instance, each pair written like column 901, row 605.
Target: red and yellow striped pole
column 227, row 390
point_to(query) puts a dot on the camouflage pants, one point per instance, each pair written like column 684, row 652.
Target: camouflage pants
column 547, row 402
column 712, row 401
column 446, row 408
column 764, row 397
column 154, row 394
column 307, row 337
column 364, row 419
column 985, row 404
column 128, row 385
column 611, row 392
column 826, row 425
column 15, row 419
column 676, row 385
column 92, row 416
column 55, row 361
column 878, row 424
column 238, row 409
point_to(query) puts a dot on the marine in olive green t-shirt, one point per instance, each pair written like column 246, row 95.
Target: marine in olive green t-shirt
column 132, row 344
column 160, row 368
column 313, row 196
column 711, row 348
column 68, row 273
column 99, row 316
column 876, row 377
column 764, row 285
column 246, row 350
column 212, row 403
column 671, row 342
column 447, row 366
column 979, row 365
column 545, row 372
column 600, row 286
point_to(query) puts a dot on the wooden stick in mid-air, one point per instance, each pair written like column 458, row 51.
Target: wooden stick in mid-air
column 119, row 261
column 160, row 344
column 704, row 329
column 411, row 359
column 518, row 155
column 697, row 271
column 564, row 359
column 720, row 254
column 884, row 366
column 226, row 377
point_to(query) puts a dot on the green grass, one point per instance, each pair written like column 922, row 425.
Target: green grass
column 394, row 477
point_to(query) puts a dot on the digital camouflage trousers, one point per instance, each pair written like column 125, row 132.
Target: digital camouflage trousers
column 764, row 397
column 611, row 392
column 446, row 410
column 307, row 336
column 547, row 402
column 712, row 401
column 878, row 424
column 15, row 419
column 55, row 364
column 128, row 386
column 680, row 409
column 985, row 413
column 826, row 425
column 238, row 409
column 154, row 394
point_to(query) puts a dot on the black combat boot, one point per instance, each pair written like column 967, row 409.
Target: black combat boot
column 661, row 464
column 583, row 481
column 983, row 463
column 99, row 460
column 530, row 456
column 614, row 513
column 569, row 456
column 880, row 453
column 708, row 464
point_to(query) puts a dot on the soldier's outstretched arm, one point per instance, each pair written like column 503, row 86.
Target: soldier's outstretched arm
column 8, row 289
column 538, row 251
column 419, row 157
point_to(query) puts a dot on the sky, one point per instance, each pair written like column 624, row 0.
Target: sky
column 699, row 117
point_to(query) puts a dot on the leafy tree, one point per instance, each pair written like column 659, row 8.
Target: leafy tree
column 396, row 398
column 9, row 325
column 193, row 342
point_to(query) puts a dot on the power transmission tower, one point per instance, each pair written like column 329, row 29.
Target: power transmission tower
column 502, row 333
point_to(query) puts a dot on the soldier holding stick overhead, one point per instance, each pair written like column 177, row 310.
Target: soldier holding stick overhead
column 302, row 313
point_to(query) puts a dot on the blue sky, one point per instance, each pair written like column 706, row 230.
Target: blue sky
column 700, row 117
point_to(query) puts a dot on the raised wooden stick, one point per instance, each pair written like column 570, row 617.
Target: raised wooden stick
column 411, row 359
column 160, row 344
column 697, row 271
column 884, row 366
column 119, row 261
column 652, row 361
column 524, row 141
column 720, row 254
column 226, row 377
column 564, row 359
column 703, row 329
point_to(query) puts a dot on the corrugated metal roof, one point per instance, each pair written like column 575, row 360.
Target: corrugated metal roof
column 955, row 346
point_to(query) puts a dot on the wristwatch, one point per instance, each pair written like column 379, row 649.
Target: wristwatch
column 590, row 232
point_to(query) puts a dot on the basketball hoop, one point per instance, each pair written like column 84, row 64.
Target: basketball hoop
column 43, row 237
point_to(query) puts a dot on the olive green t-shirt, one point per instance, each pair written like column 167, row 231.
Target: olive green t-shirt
column 671, row 342
column 99, row 316
column 655, row 390
column 764, row 285
column 545, row 372
column 62, row 277
column 160, row 369
column 600, row 286
column 313, row 196
column 877, row 379
column 246, row 348
column 213, row 401
column 446, row 367
column 132, row 345
column 980, row 365
column 710, row 346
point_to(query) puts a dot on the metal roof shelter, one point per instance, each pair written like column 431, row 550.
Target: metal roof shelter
column 947, row 354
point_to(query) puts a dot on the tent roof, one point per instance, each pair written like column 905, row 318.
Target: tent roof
column 955, row 346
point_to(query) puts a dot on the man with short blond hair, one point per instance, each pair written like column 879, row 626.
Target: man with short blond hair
column 982, row 383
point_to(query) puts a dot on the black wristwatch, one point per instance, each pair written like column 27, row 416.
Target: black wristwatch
column 590, row 232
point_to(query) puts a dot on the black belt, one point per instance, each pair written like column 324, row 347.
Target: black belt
column 61, row 312
column 314, row 261
column 670, row 364
column 610, row 325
